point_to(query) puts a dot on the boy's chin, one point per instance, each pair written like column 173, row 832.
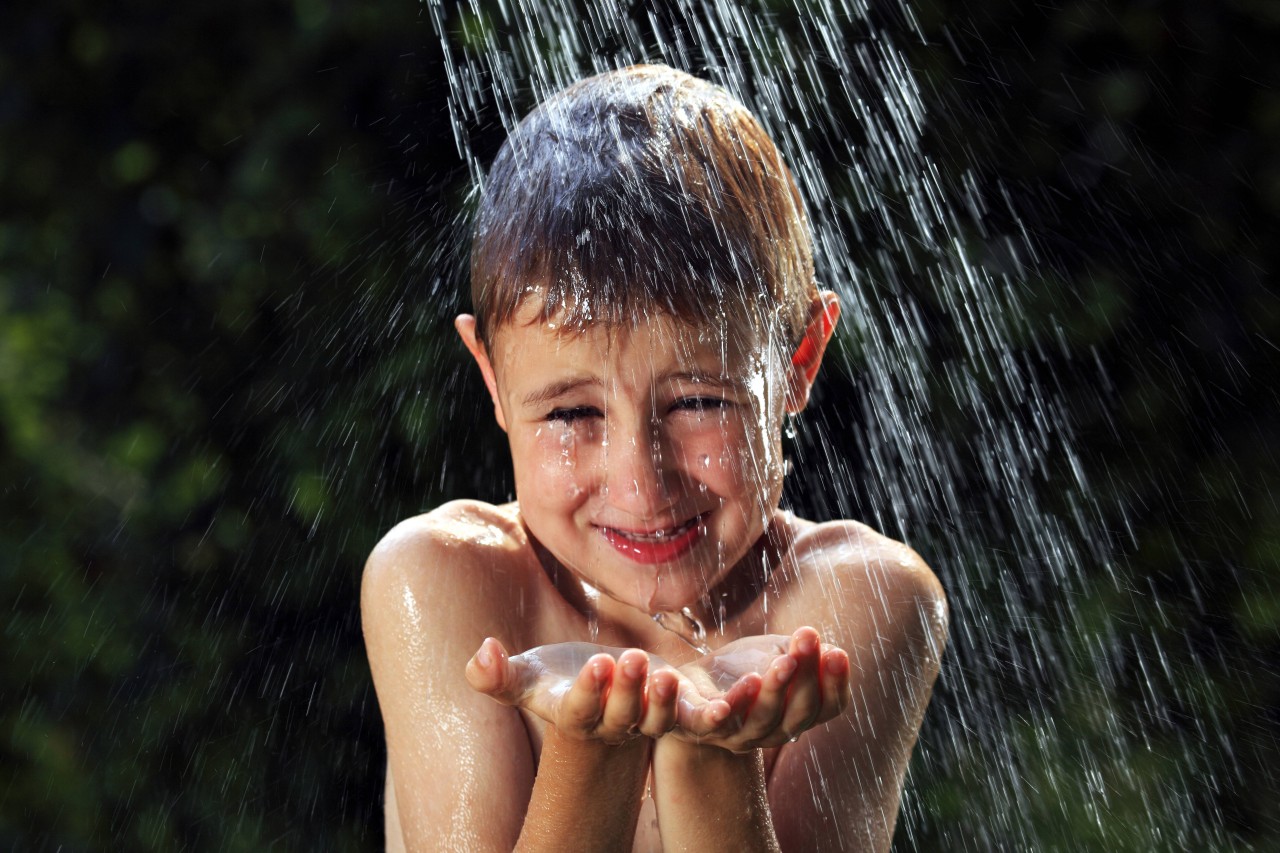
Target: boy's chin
column 650, row 592
column 673, row 599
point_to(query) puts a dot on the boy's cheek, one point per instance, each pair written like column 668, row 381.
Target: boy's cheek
column 556, row 462
column 549, row 448
column 722, row 461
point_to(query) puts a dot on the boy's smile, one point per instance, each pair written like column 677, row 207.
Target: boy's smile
column 657, row 546
column 647, row 460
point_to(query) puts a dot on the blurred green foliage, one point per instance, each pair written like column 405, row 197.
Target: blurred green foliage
column 226, row 368
column 208, row 329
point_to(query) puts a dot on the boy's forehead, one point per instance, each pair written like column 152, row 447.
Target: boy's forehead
column 659, row 339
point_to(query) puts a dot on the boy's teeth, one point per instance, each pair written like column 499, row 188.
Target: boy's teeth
column 657, row 535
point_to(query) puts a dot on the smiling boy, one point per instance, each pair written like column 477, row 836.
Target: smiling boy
column 646, row 316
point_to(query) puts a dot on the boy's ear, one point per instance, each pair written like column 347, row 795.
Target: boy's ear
column 466, row 326
column 823, row 315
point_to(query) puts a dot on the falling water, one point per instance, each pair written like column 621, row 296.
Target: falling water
column 957, row 444
column 685, row 625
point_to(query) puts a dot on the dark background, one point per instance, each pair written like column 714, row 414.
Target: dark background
column 229, row 241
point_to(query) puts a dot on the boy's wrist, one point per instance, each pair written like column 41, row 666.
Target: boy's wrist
column 691, row 755
column 711, row 798
column 586, row 794
column 589, row 748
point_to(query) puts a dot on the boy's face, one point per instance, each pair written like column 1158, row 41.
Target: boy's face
column 647, row 460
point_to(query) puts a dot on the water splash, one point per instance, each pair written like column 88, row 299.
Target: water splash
column 685, row 625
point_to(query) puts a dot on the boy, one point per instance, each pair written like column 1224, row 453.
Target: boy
column 646, row 315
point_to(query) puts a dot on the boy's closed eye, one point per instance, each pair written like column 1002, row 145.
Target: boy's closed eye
column 701, row 405
column 573, row 414
column 694, row 405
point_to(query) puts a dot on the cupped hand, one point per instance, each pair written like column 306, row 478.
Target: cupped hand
column 752, row 693
column 588, row 691
column 775, row 687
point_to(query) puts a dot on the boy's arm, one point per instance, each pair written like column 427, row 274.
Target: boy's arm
column 587, row 796
column 462, row 771
column 711, row 791
column 462, row 765
column 839, row 786
column 711, row 799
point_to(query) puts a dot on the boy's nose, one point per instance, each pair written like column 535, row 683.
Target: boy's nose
column 636, row 479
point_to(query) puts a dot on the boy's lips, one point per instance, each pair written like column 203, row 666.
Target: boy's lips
column 656, row 545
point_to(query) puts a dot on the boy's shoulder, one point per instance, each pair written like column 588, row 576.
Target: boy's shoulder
column 459, row 527
column 844, row 545
column 459, row 558
column 843, row 567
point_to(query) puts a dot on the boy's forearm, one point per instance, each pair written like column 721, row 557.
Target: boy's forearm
column 711, row 799
column 586, row 795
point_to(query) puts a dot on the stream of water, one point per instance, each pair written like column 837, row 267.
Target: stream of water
column 956, row 443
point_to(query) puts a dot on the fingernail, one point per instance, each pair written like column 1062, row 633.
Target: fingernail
column 599, row 669
column 720, row 711
column 807, row 644
column 483, row 657
column 837, row 664
column 633, row 668
column 664, row 688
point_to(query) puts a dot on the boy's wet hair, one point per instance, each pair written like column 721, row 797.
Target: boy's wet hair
column 638, row 190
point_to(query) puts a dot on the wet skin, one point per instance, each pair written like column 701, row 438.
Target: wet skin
column 648, row 474
column 647, row 461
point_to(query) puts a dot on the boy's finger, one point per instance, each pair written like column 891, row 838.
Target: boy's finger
column 581, row 708
column 766, row 713
column 660, row 710
column 836, row 694
column 804, row 642
column 742, row 696
column 697, row 715
column 804, row 700
column 624, row 705
column 488, row 672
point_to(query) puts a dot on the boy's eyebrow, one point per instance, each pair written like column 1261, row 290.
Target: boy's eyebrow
column 558, row 389
column 699, row 377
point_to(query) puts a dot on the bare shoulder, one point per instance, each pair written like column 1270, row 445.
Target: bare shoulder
column 451, row 561
column 845, row 569
column 853, row 548
column 460, row 527
column 879, row 601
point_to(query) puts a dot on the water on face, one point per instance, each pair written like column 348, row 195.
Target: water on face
column 949, row 439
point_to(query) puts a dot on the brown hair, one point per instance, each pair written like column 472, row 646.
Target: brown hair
column 641, row 189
